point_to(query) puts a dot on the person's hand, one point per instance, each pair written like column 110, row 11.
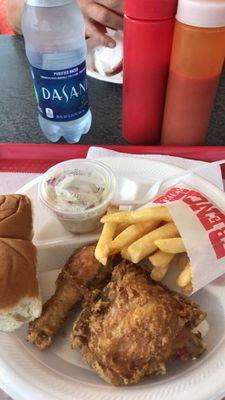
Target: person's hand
column 100, row 14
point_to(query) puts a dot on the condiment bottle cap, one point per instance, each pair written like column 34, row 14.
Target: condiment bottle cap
column 202, row 13
column 150, row 9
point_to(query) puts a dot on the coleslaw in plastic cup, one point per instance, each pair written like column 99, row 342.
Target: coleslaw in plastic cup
column 78, row 192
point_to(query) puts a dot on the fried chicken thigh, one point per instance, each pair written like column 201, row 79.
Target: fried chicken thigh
column 81, row 274
column 136, row 328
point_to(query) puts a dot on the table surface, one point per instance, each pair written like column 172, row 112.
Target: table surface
column 18, row 118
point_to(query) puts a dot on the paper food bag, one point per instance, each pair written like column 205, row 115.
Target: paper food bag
column 201, row 223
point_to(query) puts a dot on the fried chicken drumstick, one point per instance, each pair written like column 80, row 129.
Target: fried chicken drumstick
column 81, row 273
column 136, row 328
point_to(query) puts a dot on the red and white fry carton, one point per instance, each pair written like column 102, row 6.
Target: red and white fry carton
column 199, row 214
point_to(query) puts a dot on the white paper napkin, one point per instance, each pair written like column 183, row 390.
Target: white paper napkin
column 11, row 182
column 212, row 173
column 101, row 56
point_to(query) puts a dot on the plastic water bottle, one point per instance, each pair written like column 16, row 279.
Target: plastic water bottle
column 56, row 49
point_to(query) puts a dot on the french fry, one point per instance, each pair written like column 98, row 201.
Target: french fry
column 184, row 278
column 130, row 235
column 138, row 234
column 161, row 262
column 125, row 255
column 144, row 215
column 145, row 246
column 188, row 288
column 120, row 228
column 107, row 236
column 160, row 258
column 158, row 273
column 184, row 262
column 173, row 246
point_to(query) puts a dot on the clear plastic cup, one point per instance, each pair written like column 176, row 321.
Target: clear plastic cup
column 78, row 192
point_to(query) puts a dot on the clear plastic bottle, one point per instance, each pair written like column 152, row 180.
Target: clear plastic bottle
column 56, row 49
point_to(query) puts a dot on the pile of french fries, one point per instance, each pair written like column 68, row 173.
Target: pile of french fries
column 141, row 234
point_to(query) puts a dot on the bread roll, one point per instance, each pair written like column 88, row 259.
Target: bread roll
column 16, row 217
column 19, row 290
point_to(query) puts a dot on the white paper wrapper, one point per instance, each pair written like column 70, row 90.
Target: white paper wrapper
column 200, row 219
column 108, row 61
column 105, row 61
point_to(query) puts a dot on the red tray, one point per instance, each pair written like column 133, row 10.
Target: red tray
column 39, row 157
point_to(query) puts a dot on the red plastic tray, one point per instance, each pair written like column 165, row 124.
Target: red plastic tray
column 39, row 157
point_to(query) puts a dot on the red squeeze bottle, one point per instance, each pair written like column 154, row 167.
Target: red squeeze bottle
column 148, row 34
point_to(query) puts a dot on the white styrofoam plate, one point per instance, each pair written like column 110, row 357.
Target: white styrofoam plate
column 60, row 373
column 118, row 78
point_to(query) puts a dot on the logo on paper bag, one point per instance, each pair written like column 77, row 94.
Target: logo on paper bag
column 212, row 219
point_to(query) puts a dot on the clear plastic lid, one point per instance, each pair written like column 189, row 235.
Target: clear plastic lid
column 202, row 13
column 77, row 188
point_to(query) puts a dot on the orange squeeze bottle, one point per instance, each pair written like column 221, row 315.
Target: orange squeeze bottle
column 196, row 64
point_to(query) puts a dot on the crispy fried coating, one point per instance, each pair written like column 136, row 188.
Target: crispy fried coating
column 81, row 273
column 136, row 328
